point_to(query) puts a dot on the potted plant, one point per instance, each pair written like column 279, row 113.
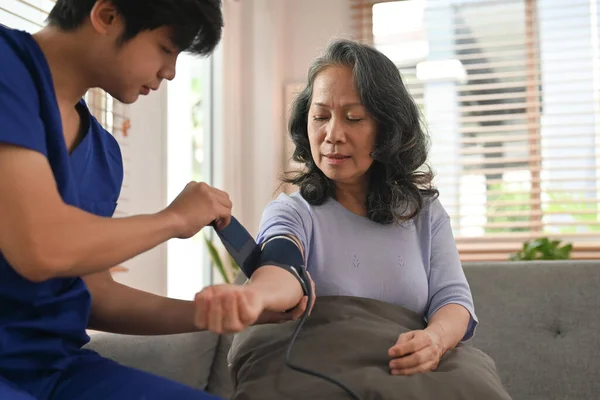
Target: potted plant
column 543, row 249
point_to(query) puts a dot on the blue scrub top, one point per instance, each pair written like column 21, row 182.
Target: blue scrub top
column 43, row 325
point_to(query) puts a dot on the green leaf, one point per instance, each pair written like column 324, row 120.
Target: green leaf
column 536, row 244
column 216, row 259
column 543, row 249
column 233, row 264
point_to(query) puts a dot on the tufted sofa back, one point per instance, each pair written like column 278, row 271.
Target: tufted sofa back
column 540, row 322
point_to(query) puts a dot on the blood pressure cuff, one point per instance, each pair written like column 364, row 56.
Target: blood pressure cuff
column 279, row 251
column 283, row 252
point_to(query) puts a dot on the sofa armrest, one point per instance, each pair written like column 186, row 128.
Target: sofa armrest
column 185, row 358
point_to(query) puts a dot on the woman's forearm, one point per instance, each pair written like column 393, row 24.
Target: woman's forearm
column 279, row 289
column 450, row 324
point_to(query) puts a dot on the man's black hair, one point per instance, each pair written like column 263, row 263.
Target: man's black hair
column 197, row 24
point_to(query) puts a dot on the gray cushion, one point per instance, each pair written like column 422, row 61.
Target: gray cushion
column 185, row 358
column 540, row 321
column 220, row 382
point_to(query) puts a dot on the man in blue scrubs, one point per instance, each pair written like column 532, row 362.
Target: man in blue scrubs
column 60, row 178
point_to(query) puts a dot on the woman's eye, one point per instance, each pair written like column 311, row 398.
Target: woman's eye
column 354, row 119
column 166, row 50
column 319, row 118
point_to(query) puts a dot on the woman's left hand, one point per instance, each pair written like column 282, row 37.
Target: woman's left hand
column 416, row 352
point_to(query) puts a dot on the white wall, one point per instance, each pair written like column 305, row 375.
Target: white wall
column 267, row 44
column 158, row 165
column 310, row 25
column 145, row 189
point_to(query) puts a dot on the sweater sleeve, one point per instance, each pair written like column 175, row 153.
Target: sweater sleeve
column 447, row 281
column 286, row 215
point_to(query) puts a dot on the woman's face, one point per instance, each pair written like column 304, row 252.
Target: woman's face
column 340, row 130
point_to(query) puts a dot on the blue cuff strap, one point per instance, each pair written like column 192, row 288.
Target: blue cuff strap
column 284, row 253
column 279, row 251
column 240, row 245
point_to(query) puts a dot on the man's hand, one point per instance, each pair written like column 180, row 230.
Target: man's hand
column 42, row 237
column 415, row 352
column 233, row 308
column 197, row 206
column 227, row 308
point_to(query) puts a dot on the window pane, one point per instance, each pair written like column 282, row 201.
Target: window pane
column 509, row 93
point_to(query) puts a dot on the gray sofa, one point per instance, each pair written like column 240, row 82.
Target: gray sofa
column 540, row 322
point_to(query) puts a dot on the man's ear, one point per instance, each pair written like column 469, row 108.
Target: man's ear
column 105, row 19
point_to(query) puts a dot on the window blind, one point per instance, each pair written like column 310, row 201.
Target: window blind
column 509, row 91
column 30, row 16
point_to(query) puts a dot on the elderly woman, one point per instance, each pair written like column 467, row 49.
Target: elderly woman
column 366, row 215
column 377, row 243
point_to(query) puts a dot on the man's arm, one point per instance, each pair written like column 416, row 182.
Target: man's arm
column 121, row 309
column 42, row 237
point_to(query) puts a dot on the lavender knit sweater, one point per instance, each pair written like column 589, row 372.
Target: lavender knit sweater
column 414, row 265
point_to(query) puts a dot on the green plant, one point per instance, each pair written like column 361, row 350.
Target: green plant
column 543, row 249
column 228, row 270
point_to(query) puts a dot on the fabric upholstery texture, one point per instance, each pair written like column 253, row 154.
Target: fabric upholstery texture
column 539, row 321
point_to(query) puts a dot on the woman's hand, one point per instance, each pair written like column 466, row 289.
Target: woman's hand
column 227, row 308
column 415, row 352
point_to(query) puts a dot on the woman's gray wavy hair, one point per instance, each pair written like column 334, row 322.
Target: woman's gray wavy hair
column 399, row 179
